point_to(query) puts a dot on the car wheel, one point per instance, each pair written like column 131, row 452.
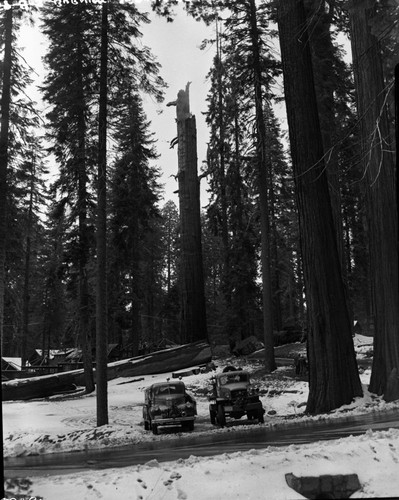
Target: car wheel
column 212, row 415
column 190, row 425
column 221, row 417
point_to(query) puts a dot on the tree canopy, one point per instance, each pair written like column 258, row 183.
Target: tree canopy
column 299, row 235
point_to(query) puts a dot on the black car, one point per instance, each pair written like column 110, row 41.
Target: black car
column 167, row 405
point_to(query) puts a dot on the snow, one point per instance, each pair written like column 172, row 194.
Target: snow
column 58, row 424
column 15, row 362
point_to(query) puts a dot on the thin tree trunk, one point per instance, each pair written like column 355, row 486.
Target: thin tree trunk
column 277, row 313
column 136, row 286
column 222, row 183
column 333, row 373
column 379, row 169
column 26, row 295
column 270, row 364
column 5, row 119
column 84, row 312
column 101, row 302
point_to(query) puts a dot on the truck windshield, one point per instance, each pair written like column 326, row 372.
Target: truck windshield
column 232, row 378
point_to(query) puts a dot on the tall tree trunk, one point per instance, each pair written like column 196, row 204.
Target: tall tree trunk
column 379, row 170
column 26, row 294
column 222, row 180
column 136, row 287
column 333, row 373
column 193, row 297
column 277, row 313
column 270, row 363
column 322, row 51
column 5, row 119
column 101, row 302
column 84, row 312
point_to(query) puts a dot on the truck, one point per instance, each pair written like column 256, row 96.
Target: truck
column 233, row 395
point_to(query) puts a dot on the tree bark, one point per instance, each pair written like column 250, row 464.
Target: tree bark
column 84, row 312
column 26, row 294
column 193, row 297
column 379, row 167
column 101, row 302
column 270, row 364
column 5, row 119
column 333, row 373
column 226, row 287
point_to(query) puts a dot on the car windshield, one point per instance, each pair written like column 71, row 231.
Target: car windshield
column 168, row 390
column 232, row 378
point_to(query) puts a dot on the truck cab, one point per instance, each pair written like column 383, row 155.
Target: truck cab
column 234, row 396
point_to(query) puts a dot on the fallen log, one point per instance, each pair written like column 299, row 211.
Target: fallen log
column 167, row 360
column 38, row 387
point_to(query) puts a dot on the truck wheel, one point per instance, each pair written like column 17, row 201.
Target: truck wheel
column 221, row 417
column 154, row 428
column 190, row 425
column 212, row 415
column 261, row 418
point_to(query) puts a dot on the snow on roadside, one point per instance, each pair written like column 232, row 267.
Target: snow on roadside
column 60, row 424
column 255, row 474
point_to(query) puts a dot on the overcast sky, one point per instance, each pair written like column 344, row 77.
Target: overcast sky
column 176, row 46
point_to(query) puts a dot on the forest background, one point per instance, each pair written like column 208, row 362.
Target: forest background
column 301, row 242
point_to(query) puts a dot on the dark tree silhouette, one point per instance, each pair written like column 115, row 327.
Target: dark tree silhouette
column 333, row 374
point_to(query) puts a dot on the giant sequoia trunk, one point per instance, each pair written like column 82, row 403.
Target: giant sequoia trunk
column 333, row 374
column 379, row 167
column 322, row 50
column 192, row 279
column 4, row 124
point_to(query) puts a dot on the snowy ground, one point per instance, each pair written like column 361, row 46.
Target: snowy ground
column 65, row 424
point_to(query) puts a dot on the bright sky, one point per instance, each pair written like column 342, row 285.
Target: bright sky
column 176, row 46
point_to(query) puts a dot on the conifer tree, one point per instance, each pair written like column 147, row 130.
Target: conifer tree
column 381, row 194
column 6, row 38
column 246, row 24
column 133, row 197
column 18, row 117
column 72, row 88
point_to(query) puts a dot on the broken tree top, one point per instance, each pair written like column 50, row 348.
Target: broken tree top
column 182, row 103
